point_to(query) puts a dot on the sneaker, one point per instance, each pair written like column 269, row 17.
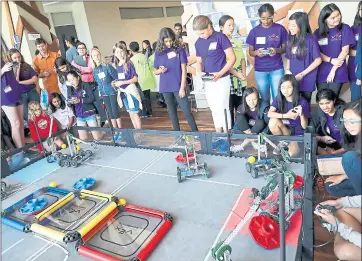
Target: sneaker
column 237, row 148
column 282, row 145
column 139, row 139
column 143, row 116
column 262, row 148
column 119, row 137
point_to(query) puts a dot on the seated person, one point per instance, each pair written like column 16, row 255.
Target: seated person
column 326, row 122
column 349, row 184
column 39, row 126
column 250, row 117
column 346, row 224
column 289, row 112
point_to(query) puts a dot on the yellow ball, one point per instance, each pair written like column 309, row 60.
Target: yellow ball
column 64, row 146
column 77, row 148
column 53, row 184
column 122, row 202
column 251, row 159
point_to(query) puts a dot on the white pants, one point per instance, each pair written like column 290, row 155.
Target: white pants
column 218, row 96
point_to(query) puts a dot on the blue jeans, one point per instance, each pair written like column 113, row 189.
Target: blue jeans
column 355, row 91
column 352, row 186
column 266, row 82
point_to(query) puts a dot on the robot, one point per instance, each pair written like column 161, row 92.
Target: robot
column 264, row 233
column 191, row 166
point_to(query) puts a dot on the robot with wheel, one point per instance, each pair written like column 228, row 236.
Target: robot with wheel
column 190, row 165
column 79, row 155
column 55, row 155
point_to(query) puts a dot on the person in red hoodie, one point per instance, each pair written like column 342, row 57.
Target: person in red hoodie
column 39, row 124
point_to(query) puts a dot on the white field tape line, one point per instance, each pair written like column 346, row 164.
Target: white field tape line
column 224, row 225
column 52, row 244
column 10, row 247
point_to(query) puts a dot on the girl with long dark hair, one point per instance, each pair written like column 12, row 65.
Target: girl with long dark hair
column 62, row 68
column 170, row 64
column 350, row 183
column 238, row 72
column 27, row 79
column 61, row 112
column 146, row 48
column 302, row 54
column 326, row 122
column 355, row 84
column 267, row 43
column 334, row 39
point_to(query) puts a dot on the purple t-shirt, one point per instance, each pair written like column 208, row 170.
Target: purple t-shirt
column 290, row 122
column 332, row 47
column 79, row 106
column 253, row 116
column 170, row 81
column 27, row 74
column 261, row 37
column 333, row 129
column 307, row 84
column 352, row 59
column 126, row 75
column 10, row 89
column 212, row 52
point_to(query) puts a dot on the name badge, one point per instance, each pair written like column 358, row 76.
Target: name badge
column 294, row 50
column 121, row 76
column 323, row 41
column 171, row 55
column 101, row 75
column 260, row 40
column 233, row 44
column 356, row 37
column 213, row 46
column 251, row 122
column 7, row 89
column 328, row 130
column 286, row 122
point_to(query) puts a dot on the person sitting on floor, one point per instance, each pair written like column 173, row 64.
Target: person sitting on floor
column 350, row 183
column 346, row 224
column 326, row 122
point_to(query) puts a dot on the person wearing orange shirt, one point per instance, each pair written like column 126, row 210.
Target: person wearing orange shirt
column 43, row 65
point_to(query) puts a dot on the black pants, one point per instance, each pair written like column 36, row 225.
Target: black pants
column 100, row 111
column 171, row 99
column 146, row 103
column 112, row 106
column 335, row 87
column 307, row 96
column 234, row 103
column 243, row 124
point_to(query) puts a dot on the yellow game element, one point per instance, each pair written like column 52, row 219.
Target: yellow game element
column 77, row 142
column 77, row 148
column 52, row 208
column 64, row 146
column 122, row 202
column 47, row 232
column 95, row 194
column 53, row 184
column 84, row 230
column 251, row 159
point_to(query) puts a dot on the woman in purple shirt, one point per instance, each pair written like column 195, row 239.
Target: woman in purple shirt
column 326, row 122
column 170, row 64
column 302, row 54
column 334, row 39
column 11, row 103
column 215, row 58
column 357, row 29
column 267, row 42
column 27, row 79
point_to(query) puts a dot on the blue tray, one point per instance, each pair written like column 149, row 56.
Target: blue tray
column 84, row 183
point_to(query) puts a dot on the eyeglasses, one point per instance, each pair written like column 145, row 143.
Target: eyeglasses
column 266, row 18
column 81, row 48
column 347, row 121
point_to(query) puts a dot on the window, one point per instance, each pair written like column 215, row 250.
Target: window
column 174, row 11
column 141, row 13
column 60, row 19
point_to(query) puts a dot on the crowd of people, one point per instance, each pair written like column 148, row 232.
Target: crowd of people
column 82, row 89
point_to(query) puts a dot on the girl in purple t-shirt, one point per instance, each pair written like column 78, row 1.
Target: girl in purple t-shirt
column 302, row 54
column 357, row 30
column 334, row 39
column 326, row 122
column 27, row 79
column 170, row 64
column 267, row 42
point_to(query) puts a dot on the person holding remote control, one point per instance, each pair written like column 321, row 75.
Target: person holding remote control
column 350, row 183
column 267, row 43
column 170, row 64
column 215, row 58
column 302, row 54
column 343, row 217
column 326, row 122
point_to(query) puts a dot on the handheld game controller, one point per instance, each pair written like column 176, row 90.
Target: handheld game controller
column 266, row 52
column 331, row 209
column 207, row 77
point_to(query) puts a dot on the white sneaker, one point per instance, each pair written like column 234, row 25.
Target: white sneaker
column 237, row 148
